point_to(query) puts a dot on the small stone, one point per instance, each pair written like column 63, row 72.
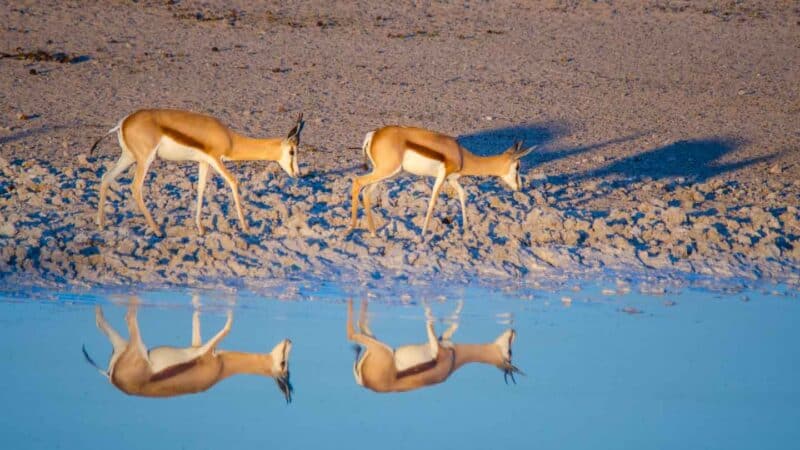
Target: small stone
column 674, row 216
column 776, row 169
column 8, row 230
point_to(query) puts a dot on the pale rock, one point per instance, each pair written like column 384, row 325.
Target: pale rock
column 674, row 216
column 8, row 229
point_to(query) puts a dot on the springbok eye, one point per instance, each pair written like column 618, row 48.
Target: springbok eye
column 283, row 364
column 291, row 152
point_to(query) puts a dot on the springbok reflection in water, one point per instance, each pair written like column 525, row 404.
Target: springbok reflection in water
column 170, row 371
column 384, row 369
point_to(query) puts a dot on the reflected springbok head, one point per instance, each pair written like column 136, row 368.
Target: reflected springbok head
column 279, row 369
column 382, row 368
column 170, row 371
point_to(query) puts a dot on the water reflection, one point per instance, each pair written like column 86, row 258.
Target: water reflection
column 382, row 368
column 170, row 371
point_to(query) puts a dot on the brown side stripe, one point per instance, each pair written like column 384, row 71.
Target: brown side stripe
column 182, row 138
column 172, row 371
column 450, row 166
column 425, row 151
column 419, row 368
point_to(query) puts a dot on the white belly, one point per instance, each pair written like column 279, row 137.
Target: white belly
column 418, row 164
column 173, row 151
column 164, row 357
column 409, row 356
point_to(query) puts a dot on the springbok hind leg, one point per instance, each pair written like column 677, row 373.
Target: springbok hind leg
column 125, row 161
column 137, row 186
column 116, row 340
column 359, row 183
column 134, row 334
column 363, row 320
column 367, row 194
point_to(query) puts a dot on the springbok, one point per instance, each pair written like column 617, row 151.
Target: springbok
column 393, row 149
column 384, row 369
column 186, row 136
column 170, row 371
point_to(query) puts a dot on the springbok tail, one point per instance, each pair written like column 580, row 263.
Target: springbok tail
column 91, row 361
column 111, row 131
column 366, row 146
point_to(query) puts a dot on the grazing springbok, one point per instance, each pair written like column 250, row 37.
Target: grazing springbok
column 422, row 152
column 384, row 369
column 186, row 136
column 169, row 371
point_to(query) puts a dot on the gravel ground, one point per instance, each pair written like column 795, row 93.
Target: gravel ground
column 669, row 135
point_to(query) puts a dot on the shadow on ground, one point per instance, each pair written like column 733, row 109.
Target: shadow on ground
column 695, row 159
column 494, row 141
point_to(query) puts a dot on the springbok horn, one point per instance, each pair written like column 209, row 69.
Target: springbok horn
column 523, row 153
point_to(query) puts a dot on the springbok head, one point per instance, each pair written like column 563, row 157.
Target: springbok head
column 289, row 148
column 513, row 156
column 279, row 368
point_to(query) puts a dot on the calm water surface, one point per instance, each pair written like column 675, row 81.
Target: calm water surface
column 687, row 370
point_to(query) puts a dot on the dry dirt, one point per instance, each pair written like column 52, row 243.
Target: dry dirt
column 669, row 135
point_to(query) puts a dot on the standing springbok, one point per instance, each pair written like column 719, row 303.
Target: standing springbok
column 422, row 152
column 186, row 136
column 170, row 371
column 384, row 369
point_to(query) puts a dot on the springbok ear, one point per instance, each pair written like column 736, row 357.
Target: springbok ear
column 298, row 127
column 523, row 153
column 514, row 148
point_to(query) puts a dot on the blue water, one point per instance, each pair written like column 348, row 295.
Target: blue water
column 685, row 370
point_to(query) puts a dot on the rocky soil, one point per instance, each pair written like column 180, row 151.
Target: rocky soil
column 669, row 136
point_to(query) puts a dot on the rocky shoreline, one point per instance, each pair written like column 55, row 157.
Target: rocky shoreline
column 48, row 233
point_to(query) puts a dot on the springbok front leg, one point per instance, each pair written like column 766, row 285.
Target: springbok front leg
column 202, row 178
column 234, row 185
column 214, row 341
column 433, row 342
column 453, row 181
column 125, row 161
column 447, row 336
column 196, row 338
column 437, row 186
